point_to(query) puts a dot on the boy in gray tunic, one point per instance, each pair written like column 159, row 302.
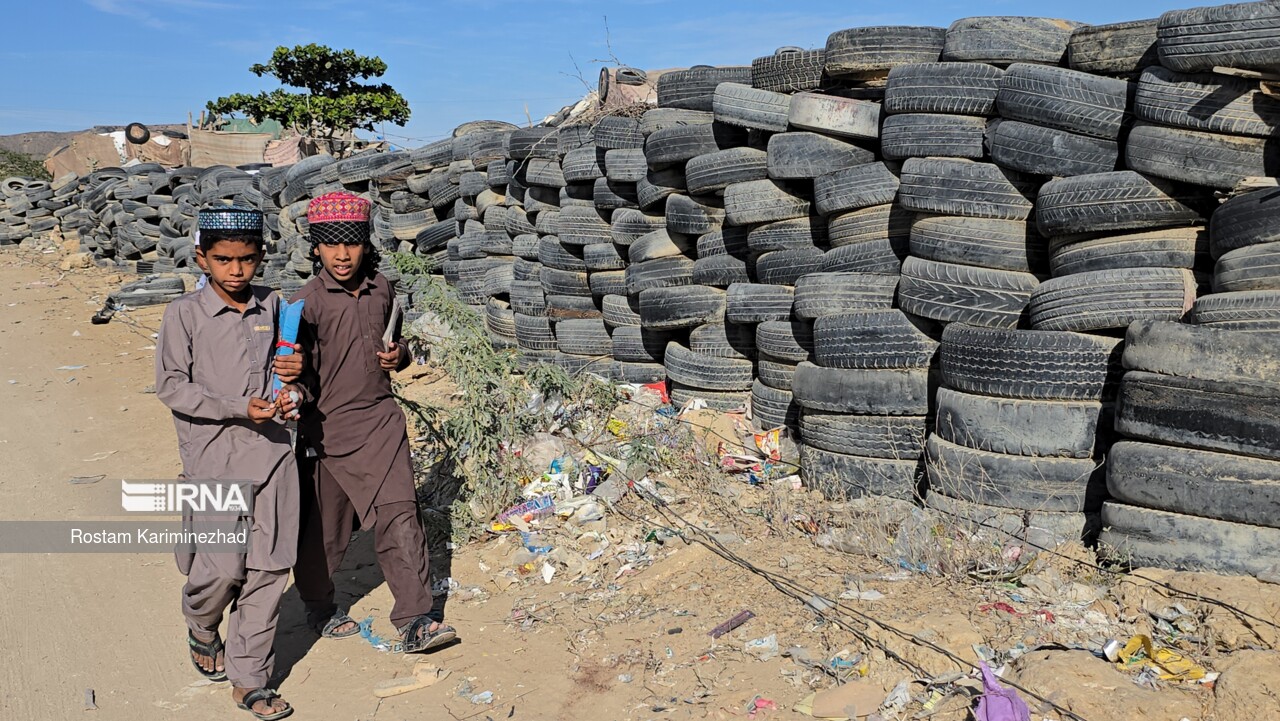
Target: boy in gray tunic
column 215, row 355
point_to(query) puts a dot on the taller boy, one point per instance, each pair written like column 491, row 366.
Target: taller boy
column 215, row 354
column 362, row 466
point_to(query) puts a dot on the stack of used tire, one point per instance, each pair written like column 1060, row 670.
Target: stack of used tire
column 1194, row 484
column 1244, row 237
column 561, row 194
column 681, row 289
column 1017, row 439
column 33, row 208
column 1021, row 429
column 527, row 226
column 482, row 244
column 617, row 172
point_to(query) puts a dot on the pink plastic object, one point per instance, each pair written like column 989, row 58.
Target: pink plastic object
column 999, row 703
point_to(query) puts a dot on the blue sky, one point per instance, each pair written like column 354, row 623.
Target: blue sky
column 79, row 63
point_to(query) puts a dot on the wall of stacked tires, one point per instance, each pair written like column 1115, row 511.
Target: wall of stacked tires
column 997, row 266
column 920, row 250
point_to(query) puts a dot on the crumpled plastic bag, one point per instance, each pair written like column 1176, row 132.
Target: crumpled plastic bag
column 998, row 703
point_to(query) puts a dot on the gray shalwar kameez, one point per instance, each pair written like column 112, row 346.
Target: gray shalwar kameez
column 211, row 359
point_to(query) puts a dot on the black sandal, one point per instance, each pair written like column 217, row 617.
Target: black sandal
column 412, row 642
column 210, row 649
column 328, row 629
column 267, row 695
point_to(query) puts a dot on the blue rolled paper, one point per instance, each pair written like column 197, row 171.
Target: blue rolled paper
column 290, row 317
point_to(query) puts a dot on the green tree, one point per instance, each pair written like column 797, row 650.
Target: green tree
column 334, row 102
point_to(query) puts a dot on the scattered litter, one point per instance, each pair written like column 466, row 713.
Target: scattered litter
column 763, row 648
column 998, row 703
column 854, row 595
column 482, row 698
column 625, row 678
column 1169, row 665
column 423, row 675
column 846, row 664
column 731, row 624
column 100, row 456
column 86, row 480
column 527, row 512
column 366, row 632
column 759, row 703
column 820, row 604
column 898, row 698
column 999, row 606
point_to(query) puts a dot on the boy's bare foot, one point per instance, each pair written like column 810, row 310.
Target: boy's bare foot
column 261, row 702
column 422, row 634
column 337, row 625
column 208, row 654
column 345, row 628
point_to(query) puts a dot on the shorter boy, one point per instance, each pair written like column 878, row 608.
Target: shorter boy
column 215, row 355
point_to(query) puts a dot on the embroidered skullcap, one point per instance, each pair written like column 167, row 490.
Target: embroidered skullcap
column 230, row 219
column 338, row 208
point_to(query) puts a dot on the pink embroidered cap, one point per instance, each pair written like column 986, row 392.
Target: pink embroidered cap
column 338, row 207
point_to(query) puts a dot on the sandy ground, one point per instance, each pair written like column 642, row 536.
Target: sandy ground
column 618, row 642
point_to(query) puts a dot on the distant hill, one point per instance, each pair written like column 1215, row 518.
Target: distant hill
column 39, row 143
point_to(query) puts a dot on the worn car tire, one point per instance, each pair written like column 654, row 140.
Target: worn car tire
column 1020, row 427
column 871, row 339
column 1001, row 40
column 871, row 391
column 758, row 302
column 1194, row 482
column 963, row 187
column 1031, row 483
column 933, row 135
column 952, row 88
column 823, row 294
column 1047, row 365
column 1109, row 299
column 1122, row 200
column 1195, row 413
column 957, row 293
column 1242, row 35
column 1147, row 537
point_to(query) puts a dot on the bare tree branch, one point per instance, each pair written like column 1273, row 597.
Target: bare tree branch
column 608, row 42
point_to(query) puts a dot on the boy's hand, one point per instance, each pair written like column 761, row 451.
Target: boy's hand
column 390, row 360
column 261, row 411
column 288, row 368
column 286, row 404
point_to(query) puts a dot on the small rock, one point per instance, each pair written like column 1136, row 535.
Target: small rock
column 76, row 261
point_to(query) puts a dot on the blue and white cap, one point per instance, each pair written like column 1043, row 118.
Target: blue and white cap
column 230, row 218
